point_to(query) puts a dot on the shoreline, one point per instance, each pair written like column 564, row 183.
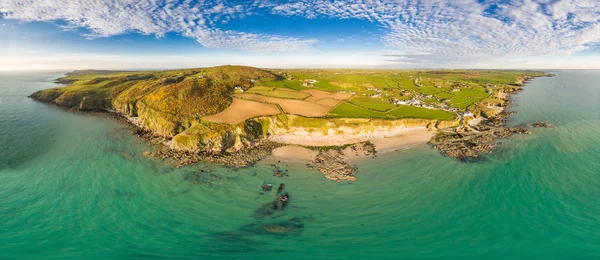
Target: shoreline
column 330, row 148
column 302, row 154
column 332, row 158
column 318, row 139
column 477, row 137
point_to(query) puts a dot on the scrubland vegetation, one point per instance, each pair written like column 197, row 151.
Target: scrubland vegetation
column 173, row 102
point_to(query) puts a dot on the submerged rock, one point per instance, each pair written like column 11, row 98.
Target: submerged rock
column 278, row 171
column 267, row 187
column 281, row 187
column 266, row 210
column 544, row 124
column 207, row 178
column 179, row 158
column 273, row 207
column 292, row 226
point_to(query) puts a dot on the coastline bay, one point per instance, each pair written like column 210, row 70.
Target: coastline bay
column 76, row 185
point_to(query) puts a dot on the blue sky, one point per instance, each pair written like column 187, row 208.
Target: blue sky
column 151, row 34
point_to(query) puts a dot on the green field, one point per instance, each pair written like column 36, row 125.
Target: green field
column 419, row 112
column 175, row 103
column 371, row 103
column 420, row 84
column 345, row 109
column 291, row 84
column 173, row 99
column 278, row 92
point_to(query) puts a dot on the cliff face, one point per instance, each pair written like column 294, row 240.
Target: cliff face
column 165, row 102
column 219, row 138
column 340, row 131
column 172, row 104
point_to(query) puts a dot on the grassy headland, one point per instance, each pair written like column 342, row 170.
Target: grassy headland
column 195, row 108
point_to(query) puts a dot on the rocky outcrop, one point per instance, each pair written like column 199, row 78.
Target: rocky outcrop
column 219, row 138
column 335, row 165
column 544, row 124
column 472, row 143
column 167, row 108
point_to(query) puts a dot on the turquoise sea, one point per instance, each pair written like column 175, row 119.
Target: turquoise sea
column 76, row 186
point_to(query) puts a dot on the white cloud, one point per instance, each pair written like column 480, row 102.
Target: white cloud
column 156, row 17
column 432, row 31
column 464, row 29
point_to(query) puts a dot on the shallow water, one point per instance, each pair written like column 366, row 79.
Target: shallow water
column 76, row 186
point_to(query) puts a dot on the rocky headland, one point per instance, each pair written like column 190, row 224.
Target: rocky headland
column 478, row 134
column 167, row 109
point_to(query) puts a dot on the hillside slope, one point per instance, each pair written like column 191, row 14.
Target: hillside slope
column 188, row 106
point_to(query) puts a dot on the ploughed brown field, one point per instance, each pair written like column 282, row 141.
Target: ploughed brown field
column 318, row 104
column 291, row 106
column 316, row 95
column 241, row 109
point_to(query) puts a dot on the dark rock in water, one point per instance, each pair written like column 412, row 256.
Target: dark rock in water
column 267, row 187
column 278, row 172
column 310, row 167
column 267, row 210
column 271, row 208
column 283, row 199
column 207, row 178
column 507, row 113
column 519, row 130
column 543, row 124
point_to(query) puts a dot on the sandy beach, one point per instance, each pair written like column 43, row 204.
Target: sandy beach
column 415, row 136
column 410, row 137
column 294, row 153
column 342, row 135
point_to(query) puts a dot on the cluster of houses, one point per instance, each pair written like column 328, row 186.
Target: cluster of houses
column 309, row 82
column 377, row 94
column 344, row 92
column 465, row 114
column 457, row 85
column 416, row 101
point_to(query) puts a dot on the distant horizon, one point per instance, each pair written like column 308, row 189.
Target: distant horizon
column 448, row 34
column 276, row 68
